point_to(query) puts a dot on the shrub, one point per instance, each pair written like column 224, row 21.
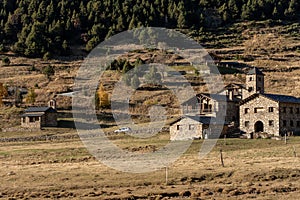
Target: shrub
column 5, row 61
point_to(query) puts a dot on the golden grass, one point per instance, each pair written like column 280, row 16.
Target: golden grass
column 260, row 168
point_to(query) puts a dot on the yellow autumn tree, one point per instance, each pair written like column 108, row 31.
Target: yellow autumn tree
column 31, row 96
column 3, row 93
column 102, row 100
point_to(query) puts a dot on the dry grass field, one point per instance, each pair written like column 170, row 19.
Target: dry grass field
column 260, row 169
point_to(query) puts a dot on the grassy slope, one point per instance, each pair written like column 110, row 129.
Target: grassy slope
column 264, row 169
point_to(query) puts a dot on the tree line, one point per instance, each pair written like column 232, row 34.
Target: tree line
column 42, row 28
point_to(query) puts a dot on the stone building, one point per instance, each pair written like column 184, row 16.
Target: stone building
column 196, row 127
column 270, row 113
column 39, row 117
column 213, row 105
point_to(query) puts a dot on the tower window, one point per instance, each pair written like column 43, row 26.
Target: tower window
column 271, row 123
column 297, row 110
column 259, row 78
column 271, row 109
column 250, row 89
column 247, row 110
column 250, row 79
column 291, row 123
column 298, row 123
column 291, row 110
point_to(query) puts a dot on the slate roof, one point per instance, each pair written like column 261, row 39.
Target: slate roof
column 255, row 71
column 40, row 109
column 32, row 115
column 282, row 98
column 202, row 119
column 274, row 97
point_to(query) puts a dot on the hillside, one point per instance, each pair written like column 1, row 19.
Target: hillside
column 47, row 28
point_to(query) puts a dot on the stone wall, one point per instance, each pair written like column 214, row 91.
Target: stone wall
column 49, row 119
column 186, row 129
column 262, row 114
column 290, row 113
column 30, row 125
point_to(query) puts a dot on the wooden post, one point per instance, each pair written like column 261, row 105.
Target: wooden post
column 295, row 153
column 221, row 154
column 285, row 139
column 167, row 175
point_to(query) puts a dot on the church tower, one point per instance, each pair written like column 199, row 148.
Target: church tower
column 254, row 83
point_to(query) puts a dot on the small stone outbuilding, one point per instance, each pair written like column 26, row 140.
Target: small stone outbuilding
column 195, row 127
column 39, row 117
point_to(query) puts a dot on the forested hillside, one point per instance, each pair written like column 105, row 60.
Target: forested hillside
column 37, row 28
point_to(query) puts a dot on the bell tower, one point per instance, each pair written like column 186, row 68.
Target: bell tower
column 254, row 82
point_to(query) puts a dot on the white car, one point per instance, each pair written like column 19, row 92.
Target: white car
column 123, row 129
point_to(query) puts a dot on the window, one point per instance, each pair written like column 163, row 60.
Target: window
column 284, row 123
column 247, row 110
column 297, row 110
column 178, row 127
column 298, row 123
column 284, row 109
column 259, row 78
column 271, row 123
column 247, row 123
column 271, row 109
column 291, row 123
column 250, row 89
column 250, row 79
column 31, row 119
column 191, row 127
column 259, row 88
column 256, row 110
column 24, row 119
column 291, row 110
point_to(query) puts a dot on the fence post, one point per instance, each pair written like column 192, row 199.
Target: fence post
column 221, row 154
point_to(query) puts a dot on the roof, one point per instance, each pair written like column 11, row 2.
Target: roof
column 283, row 98
column 218, row 97
column 32, row 115
column 40, row 109
column 254, row 71
column 234, row 85
column 202, row 119
column 274, row 97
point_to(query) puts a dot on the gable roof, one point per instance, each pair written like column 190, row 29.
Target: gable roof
column 39, row 109
column 273, row 97
column 201, row 119
column 254, row 71
column 283, row 98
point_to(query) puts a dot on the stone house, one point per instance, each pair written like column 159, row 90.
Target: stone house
column 213, row 105
column 39, row 117
column 270, row 113
column 195, row 127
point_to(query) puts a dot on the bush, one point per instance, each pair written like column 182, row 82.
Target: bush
column 47, row 56
column 5, row 61
column 49, row 71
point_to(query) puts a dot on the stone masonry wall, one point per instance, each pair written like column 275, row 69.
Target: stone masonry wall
column 290, row 113
column 263, row 114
